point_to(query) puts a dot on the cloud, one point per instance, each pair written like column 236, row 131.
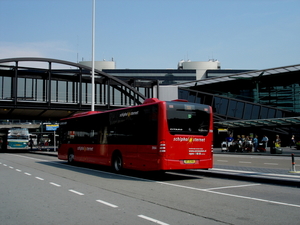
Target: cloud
column 12, row 50
column 34, row 49
column 54, row 50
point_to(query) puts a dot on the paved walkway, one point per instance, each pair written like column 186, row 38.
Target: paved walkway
column 289, row 176
column 286, row 151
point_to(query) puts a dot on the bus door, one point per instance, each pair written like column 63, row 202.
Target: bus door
column 147, row 132
column 3, row 139
column 120, row 137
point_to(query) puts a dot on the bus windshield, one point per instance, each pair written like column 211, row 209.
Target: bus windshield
column 188, row 118
column 18, row 133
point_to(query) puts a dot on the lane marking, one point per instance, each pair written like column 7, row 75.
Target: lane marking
column 256, row 173
column 152, row 220
column 39, row 178
column 18, row 170
column 275, row 164
column 10, row 167
column 22, row 156
column 76, row 192
column 235, row 186
column 54, row 184
column 244, row 162
column 236, row 196
column 222, row 160
column 186, row 187
column 28, row 174
column 255, row 199
column 106, row 203
column 4, row 165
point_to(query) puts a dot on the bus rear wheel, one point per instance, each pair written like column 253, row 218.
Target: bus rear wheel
column 117, row 163
column 71, row 157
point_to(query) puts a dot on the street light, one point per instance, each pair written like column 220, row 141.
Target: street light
column 93, row 59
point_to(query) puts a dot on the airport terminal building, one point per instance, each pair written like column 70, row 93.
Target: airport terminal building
column 244, row 101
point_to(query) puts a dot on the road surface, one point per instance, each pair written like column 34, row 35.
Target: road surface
column 38, row 189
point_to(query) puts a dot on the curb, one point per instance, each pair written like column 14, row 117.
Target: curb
column 254, row 178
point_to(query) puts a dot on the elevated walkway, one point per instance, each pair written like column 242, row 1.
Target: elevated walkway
column 50, row 89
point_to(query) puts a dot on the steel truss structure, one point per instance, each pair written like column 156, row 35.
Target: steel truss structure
column 43, row 88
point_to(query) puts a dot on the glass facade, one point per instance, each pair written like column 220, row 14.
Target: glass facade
column 273, row 91
column 285, row 97
column 230, row 108
column 165, row 77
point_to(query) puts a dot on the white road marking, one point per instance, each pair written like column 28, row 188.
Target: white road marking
column 54, row 184
column 191, row 188
column 244, row 162
column 236, row 196
column 106, row 203
column 76, row 192
column 253, row 172
column 10, row 167
column 276, row 164
column 152, row 220
column 255, row 199
column 31, row 158
column 4, row 165
column 236, row 186
column 39, row 178
column 222, row 160
column 28, row 174
column 18, row 170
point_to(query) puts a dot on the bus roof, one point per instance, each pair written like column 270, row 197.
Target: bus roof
column 88, row 113
column 146, row 102
column 85, row 113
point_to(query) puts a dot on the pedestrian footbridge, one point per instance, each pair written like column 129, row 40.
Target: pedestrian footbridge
column 41, row 88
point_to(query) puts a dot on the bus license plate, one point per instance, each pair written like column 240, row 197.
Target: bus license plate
column 189, row 161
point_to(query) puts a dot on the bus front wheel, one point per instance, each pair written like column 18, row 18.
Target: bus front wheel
column 117, row 162
column 71, row 157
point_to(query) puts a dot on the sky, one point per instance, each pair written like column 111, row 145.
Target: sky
column 154, row 34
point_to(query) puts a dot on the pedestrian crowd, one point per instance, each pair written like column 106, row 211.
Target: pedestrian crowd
column 247, row 143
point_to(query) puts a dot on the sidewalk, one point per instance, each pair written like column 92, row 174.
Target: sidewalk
column 286, row 151
column 49, row 150
column 289, row 176
column 262, row 175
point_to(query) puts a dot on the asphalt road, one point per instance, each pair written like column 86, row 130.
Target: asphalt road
column 39, row 189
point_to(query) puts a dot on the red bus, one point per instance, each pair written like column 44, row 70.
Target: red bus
column 157, row 135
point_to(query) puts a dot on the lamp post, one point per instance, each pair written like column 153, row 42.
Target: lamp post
column 93, row 59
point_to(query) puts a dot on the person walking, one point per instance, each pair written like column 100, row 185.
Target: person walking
column 265, row 140
column 229, row 141
column 255, row 143
column 277, row 142
column 30, row 143
column 293, row 141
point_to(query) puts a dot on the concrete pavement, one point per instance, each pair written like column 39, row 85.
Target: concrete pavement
column 289, row 176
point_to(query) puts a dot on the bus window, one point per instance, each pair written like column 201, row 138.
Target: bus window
column 188, row 119
column 17, row 138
